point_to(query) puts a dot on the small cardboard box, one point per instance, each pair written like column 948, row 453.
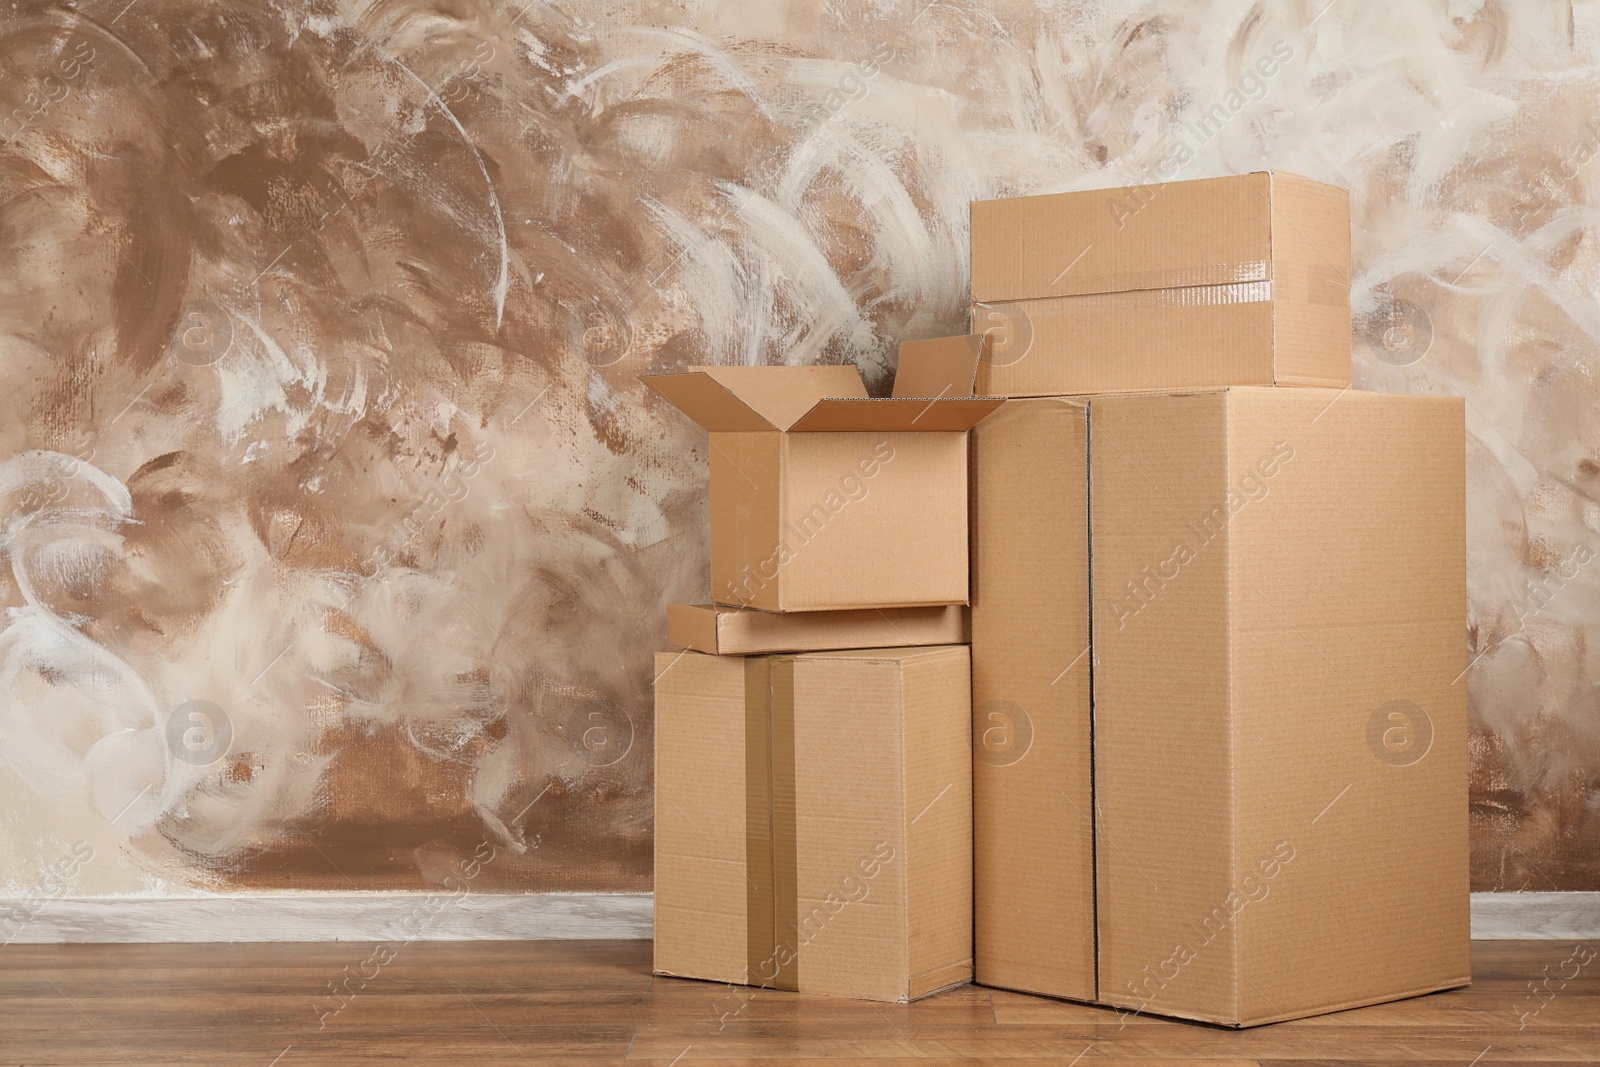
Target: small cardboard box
column 742, row 632
column 1240, row 280
column 1280, row 719
column 1033, row 830
column 1278, row 732
column 823, row 498
column 814, row 822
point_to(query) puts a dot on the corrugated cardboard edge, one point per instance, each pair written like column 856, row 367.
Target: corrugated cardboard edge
column 784, row 813
column 1032, row 454
column 946, row 978
column 745, row 399
column 1094, row 797
column 1306, row 1013
column 684, row 943
column 939, row 366
column 1300, row 381
column 724, row 631
column 691, row 626
column 745, row 472
column 1311, row 247
column 1231, row 697
column 897, row 415
column 1122, row 748
column 761, row 945
column 912, row 716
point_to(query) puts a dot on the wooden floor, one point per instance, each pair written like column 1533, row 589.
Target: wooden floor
column 585, row 1002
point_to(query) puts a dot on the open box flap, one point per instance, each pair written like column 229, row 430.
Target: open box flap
column 939, row 367
column 749, row 399
column 882, row 416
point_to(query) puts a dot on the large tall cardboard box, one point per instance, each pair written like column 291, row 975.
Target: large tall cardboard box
column 1033, row 827
column 1279, row 730
column 814, row 820
column 812, row 481
column 1240, row 280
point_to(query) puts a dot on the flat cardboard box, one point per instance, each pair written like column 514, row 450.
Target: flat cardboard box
column 814, row 822
column 1033, row 829
column 1240, row 280
column 811, row 479
column 1280, row 720
column 743, row 631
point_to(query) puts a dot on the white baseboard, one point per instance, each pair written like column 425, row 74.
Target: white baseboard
column 1536, row 916
column 329, row 917
column 535, row 917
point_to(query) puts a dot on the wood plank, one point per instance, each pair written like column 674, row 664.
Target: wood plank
column 590, row 1002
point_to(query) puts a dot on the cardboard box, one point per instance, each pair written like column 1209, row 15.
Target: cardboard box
column 1220, row 281
column 1279, row 765
column 1033, row 831
column 741, row 631
column 814, row 821
column 1280, row 724
column 811, row 479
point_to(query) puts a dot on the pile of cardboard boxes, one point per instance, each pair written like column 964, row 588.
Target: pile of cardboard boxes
column 1200, row 749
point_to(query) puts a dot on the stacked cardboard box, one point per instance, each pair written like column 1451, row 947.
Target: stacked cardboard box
column 1215, row 733
column 813, row 740
column 1217, row 630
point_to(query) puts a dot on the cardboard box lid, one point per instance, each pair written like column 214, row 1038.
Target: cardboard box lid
column 833, row 399
column 1208, row 231
column 731, row 631
column 939, row 367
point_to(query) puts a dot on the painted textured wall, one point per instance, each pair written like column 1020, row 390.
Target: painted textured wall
column 336, row 531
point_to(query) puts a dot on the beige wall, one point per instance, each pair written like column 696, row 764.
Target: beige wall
column 334, row 319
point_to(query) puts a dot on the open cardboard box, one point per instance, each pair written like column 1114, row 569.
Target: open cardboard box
column 823, row 498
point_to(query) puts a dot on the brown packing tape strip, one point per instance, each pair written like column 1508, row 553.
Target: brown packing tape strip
column 1138, row 300
column 771, row 845
column 1315, row 284
column 1224, row 273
